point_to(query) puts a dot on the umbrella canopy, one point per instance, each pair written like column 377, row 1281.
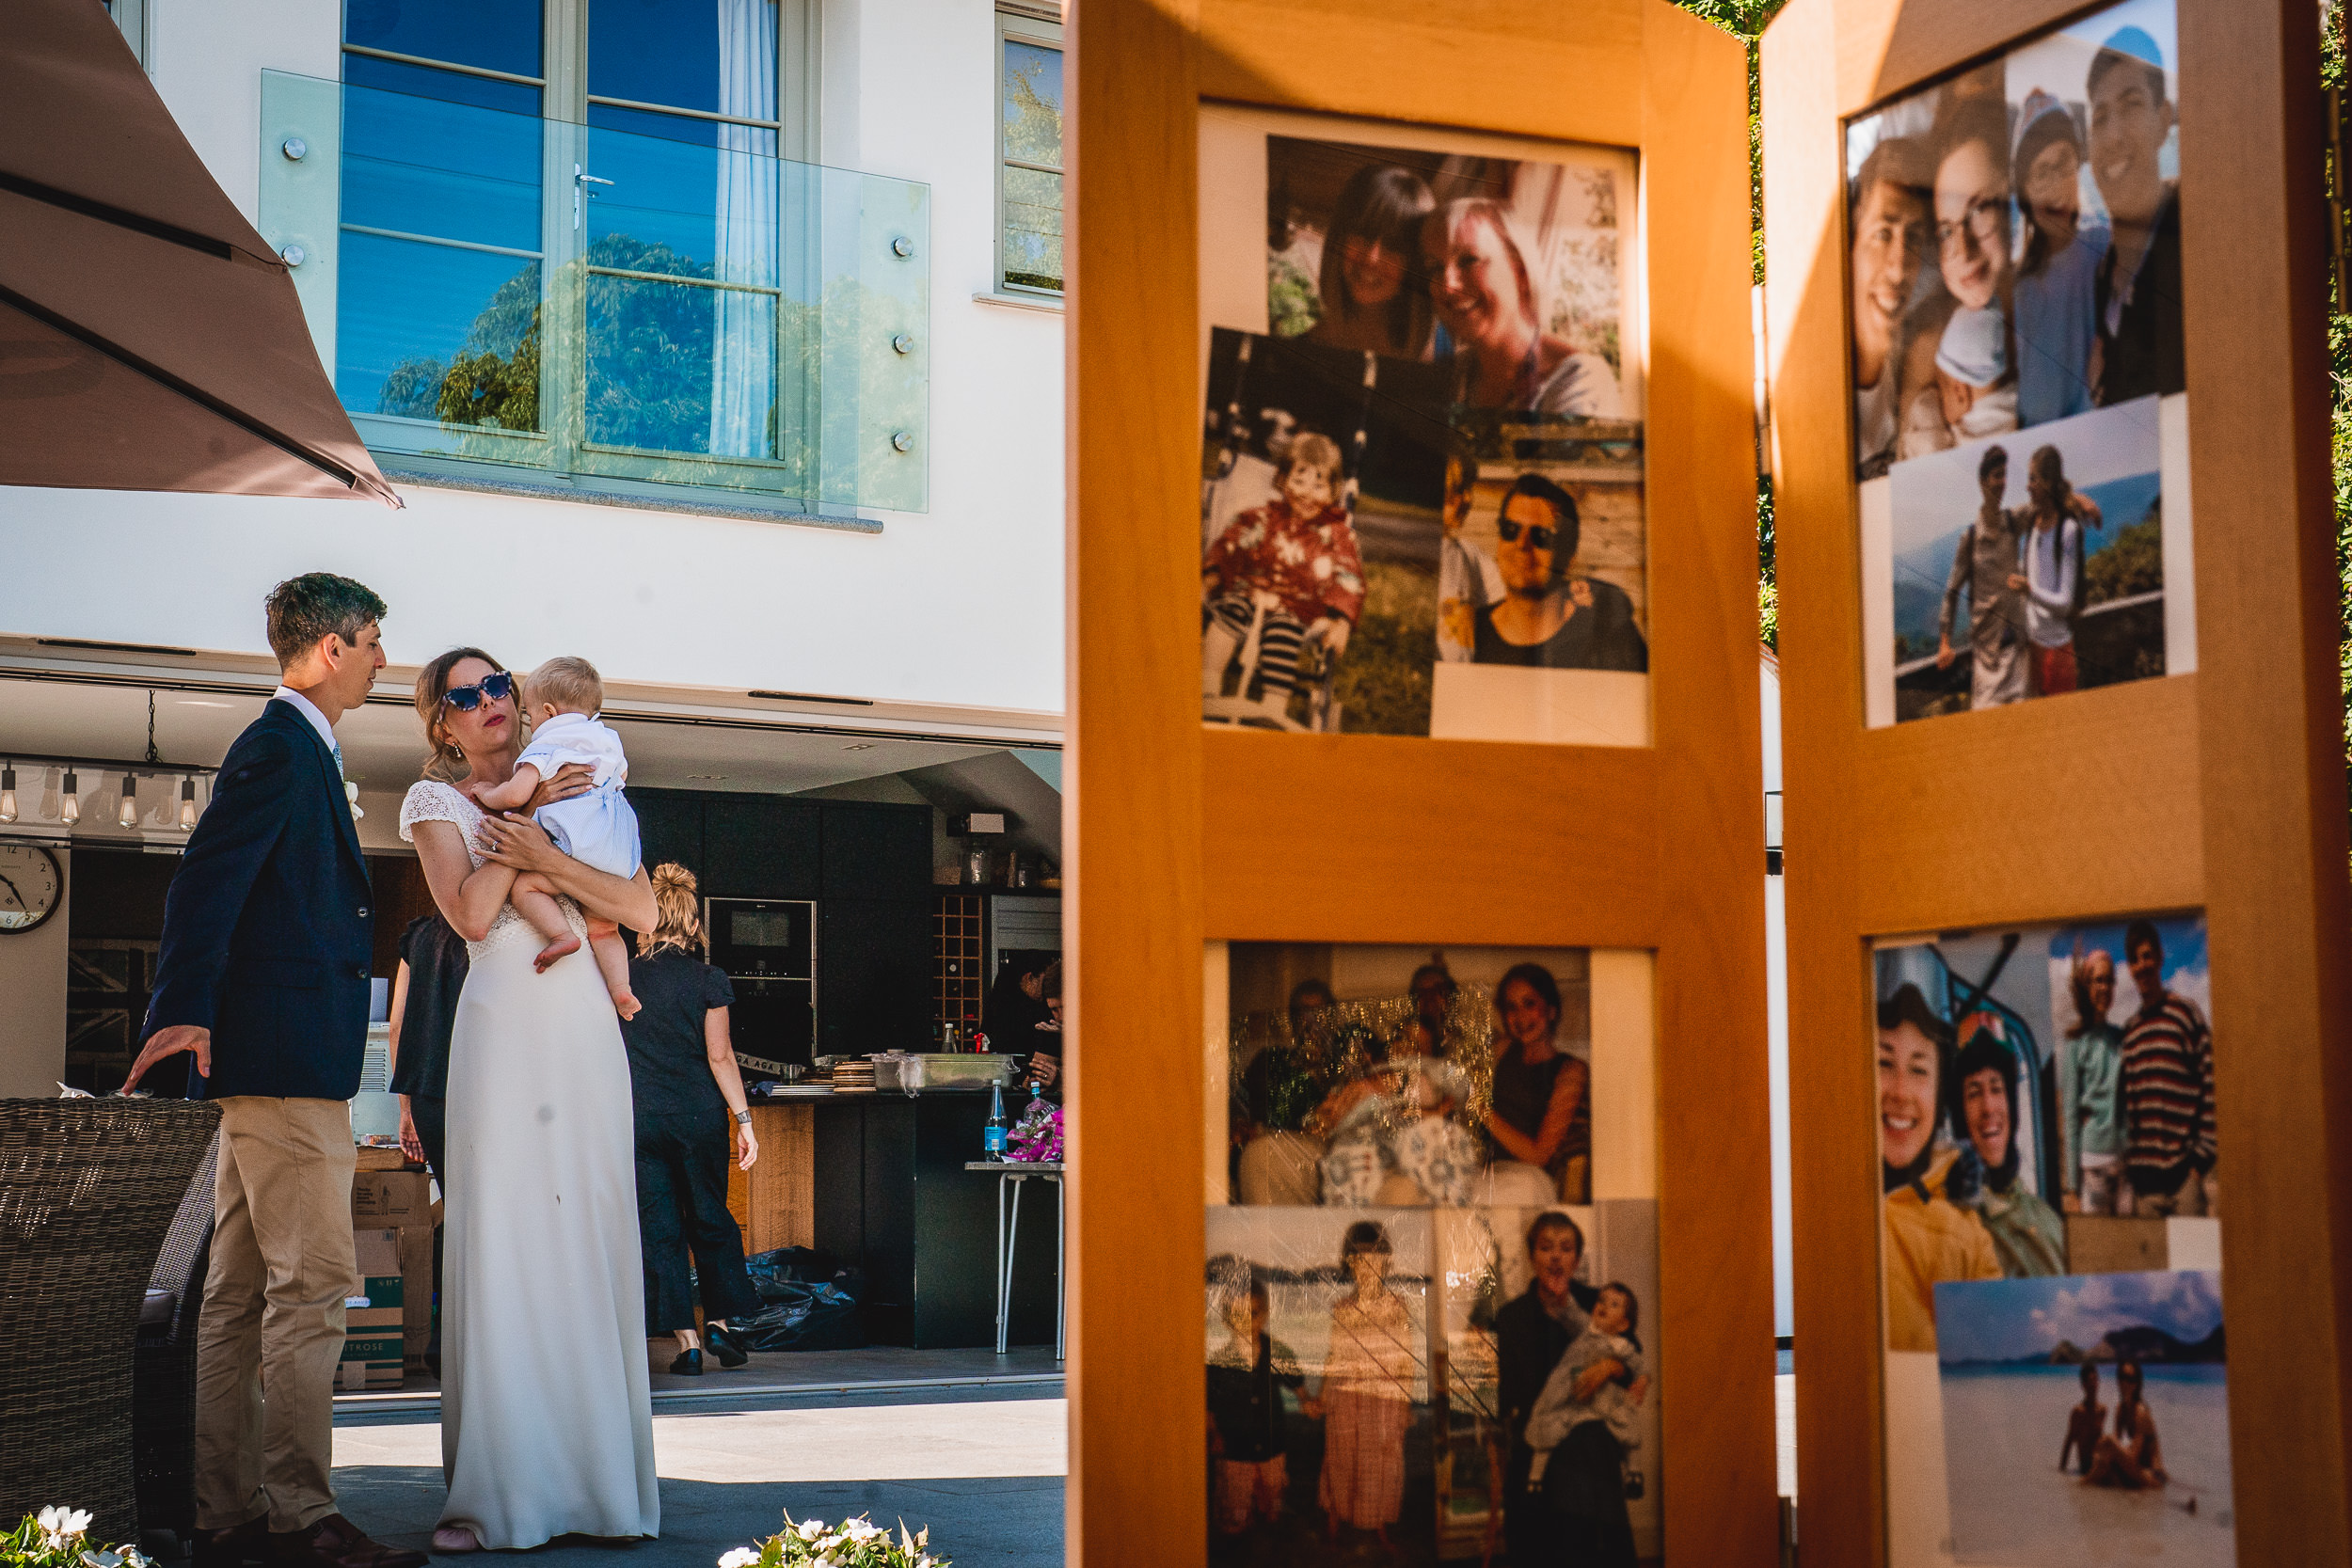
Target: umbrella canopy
column 150, row 339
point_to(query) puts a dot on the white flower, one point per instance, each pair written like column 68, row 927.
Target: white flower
column 61, row 1524
column 809, row 1529
column 351, row 794
column 860, row 1530
column 742, row 1557
column 101, row 1559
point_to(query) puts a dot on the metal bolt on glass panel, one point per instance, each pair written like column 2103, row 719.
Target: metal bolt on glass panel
column 619, row 311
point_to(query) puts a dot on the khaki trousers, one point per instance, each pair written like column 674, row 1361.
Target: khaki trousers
column 273, row 1327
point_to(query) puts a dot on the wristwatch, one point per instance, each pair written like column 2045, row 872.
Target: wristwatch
column 743, row 1118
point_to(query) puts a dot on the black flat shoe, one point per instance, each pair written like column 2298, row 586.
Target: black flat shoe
column 689, row 1364
column 726, row 1344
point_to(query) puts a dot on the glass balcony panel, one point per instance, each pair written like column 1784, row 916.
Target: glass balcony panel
column 437, row 332
column 685, row 128
column 718, row 56
column 1032, row 106
column 496, row 35
column 713, row 325
column 682, row 367
column 1033, row 228
column 417, row 81
column 685, row 211
column 453, row 171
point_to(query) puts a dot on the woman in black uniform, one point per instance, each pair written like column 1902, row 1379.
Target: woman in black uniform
column 681, row 1065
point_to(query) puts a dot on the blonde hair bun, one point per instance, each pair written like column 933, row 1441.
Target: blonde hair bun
column 679, row 922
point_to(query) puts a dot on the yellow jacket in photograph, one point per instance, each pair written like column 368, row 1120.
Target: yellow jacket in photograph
column 1929, row 1239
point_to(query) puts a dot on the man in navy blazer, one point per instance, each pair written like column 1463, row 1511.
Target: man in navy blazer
column 263, row 976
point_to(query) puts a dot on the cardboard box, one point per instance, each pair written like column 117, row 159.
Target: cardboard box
column 390, row 1199
column 416, row 1277
column 372, row 1320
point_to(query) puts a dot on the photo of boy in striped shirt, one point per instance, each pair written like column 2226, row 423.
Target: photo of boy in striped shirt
column 2166, row 1086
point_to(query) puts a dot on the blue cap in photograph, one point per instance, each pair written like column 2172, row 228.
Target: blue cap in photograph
column 2135, row 42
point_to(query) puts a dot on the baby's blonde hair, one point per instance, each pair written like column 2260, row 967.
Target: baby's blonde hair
column 571, row 684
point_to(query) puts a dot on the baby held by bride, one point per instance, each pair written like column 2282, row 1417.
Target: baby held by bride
column 597, row 829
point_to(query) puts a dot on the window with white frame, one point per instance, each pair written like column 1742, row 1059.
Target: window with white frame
column 1028, row 151
column 571, row 238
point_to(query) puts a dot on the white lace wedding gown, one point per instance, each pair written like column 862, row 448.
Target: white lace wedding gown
column 546, row 1423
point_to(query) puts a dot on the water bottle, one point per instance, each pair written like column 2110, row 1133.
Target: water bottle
column 994, row 1134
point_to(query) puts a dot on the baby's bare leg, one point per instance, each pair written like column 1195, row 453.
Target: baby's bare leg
column 611, row 951
column 534, row 898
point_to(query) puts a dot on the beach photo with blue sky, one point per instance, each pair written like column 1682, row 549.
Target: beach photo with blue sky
column 2037, row 1476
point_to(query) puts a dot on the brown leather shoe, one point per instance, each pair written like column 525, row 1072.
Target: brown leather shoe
column 335, row 1541
column 235, row 1547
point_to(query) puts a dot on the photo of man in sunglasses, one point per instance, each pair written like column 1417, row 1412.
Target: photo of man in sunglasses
column 1548, row 617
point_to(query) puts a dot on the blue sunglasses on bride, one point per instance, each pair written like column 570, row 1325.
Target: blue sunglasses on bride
column 465, row 699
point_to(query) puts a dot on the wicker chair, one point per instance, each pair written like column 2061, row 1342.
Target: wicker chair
column 163, row 1398
column 87, row 1190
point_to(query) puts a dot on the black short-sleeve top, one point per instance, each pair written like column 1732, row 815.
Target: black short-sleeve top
column 436, row 957
column 669, row 1067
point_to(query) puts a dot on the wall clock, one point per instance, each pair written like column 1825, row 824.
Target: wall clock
column 32, row 885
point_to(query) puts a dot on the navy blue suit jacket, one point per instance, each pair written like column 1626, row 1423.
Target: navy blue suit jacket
column 267, row 930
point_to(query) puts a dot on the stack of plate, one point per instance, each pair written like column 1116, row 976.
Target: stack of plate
column 853, row 1075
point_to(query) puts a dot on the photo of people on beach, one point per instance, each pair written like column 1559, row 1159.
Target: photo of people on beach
column 2125, row 1377
column 2016, row 289
column 2036, row 1117
column 1320, row 1437
column 1388, row 1077
column 1550, row 1395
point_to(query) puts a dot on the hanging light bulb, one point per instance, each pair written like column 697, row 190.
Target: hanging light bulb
column 129, row 816
column 7, row 794
column 187, row 803
column 70, row 806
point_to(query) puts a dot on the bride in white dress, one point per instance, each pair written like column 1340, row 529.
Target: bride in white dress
column 546, row 1426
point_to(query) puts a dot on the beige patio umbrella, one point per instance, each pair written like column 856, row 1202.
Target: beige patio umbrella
column 150, row 339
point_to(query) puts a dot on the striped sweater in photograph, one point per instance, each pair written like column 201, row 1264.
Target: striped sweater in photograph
column 2166, row 1094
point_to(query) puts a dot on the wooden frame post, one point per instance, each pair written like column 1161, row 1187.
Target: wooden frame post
column 1174, row 831
column 2235, row 770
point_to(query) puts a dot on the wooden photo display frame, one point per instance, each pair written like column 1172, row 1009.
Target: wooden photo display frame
column 1182, row 839
column 2218, row 791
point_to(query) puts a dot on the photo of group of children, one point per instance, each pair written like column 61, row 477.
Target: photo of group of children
column 1432, row 1384
column 1429, row 1334
column 1421, row 504
column 2051, row 1215
column 2018, row 369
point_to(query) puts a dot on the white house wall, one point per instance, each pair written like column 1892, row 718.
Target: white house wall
column 962, row 605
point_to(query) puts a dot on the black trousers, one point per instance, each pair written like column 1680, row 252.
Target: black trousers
column 682, row 1204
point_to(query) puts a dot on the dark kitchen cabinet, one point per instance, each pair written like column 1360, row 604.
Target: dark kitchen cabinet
column 670, row 827
column 873, row 975
column 877, row 852
column 760, row 847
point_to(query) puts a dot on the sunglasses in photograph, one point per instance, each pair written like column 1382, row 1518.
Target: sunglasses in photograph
column 1538, row 536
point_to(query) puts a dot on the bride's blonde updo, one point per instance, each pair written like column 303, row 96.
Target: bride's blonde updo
column 679, row 922
column 442, row 759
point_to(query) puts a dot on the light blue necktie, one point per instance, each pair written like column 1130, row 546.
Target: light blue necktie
column 337, row 747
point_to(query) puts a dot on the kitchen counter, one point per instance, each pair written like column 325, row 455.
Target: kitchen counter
column 879, row 1180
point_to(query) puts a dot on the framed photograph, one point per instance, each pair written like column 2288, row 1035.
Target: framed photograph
column 2128, row 1375
column 2019, row 390
column 1421, row 499
column 1488, row 1112
column 2051, row 1167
